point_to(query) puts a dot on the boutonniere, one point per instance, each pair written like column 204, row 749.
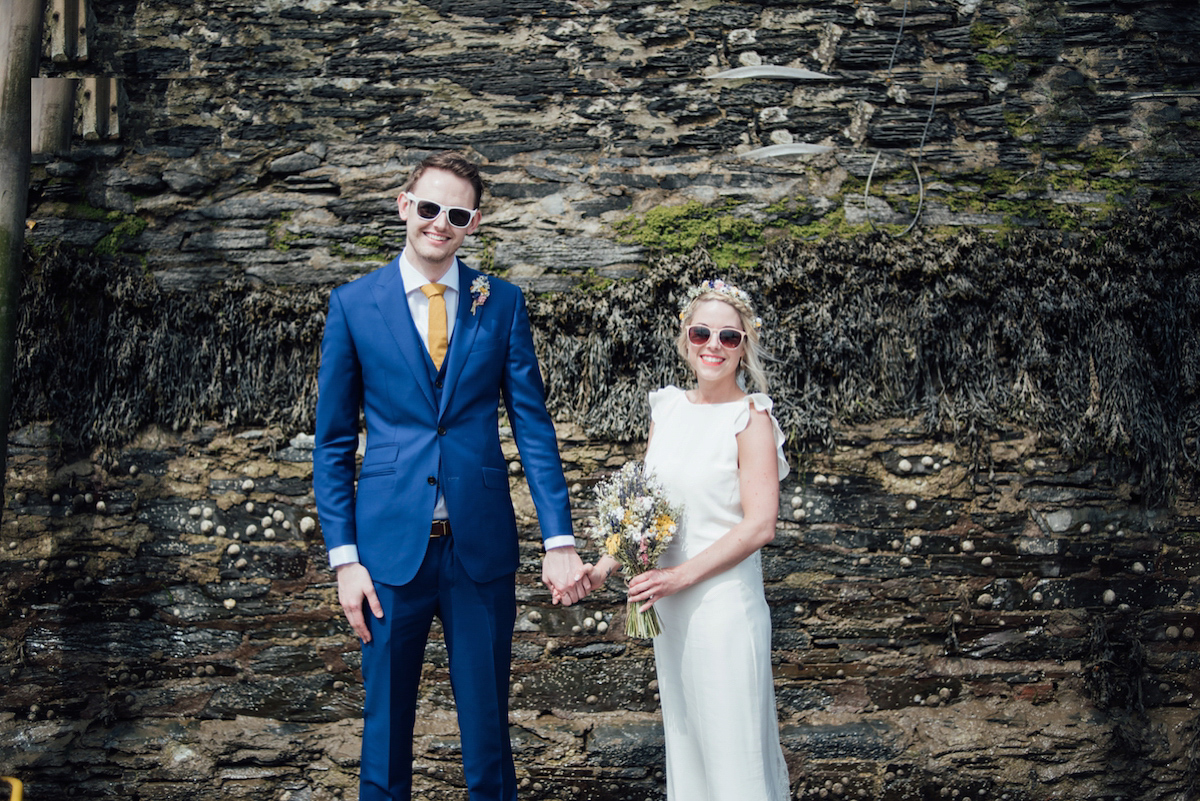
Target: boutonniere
column 480, row 289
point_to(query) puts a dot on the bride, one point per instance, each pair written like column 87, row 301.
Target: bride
column 718, row 452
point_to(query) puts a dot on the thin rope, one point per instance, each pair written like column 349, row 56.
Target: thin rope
column 896, row 46
column 920, row 201
column 917, row 162
column 916, row 169
column 867, row 190
column 936, row 86
column 920, row 150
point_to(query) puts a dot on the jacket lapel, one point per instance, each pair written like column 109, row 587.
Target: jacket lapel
column 466, row 326
column 393, row 306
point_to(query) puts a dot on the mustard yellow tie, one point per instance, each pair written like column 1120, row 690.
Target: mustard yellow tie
column 437, row 322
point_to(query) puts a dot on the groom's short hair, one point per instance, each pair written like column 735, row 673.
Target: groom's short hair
column 451, row 162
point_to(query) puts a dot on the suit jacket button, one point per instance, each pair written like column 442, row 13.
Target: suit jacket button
column 441, row 431
column 438, row 383
column 432, row 480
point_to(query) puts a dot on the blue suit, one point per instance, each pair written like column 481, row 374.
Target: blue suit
column 427, row 430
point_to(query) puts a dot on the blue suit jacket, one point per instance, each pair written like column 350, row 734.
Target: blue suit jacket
column 372, row 359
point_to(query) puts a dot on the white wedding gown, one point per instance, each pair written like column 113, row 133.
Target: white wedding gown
column 714, row 656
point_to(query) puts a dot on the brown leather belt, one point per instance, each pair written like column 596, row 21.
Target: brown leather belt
column 440, row 528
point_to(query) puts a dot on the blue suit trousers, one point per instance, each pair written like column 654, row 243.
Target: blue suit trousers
column 477, row 621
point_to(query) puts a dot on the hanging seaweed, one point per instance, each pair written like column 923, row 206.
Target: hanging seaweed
column 103, row 351
column 1088, row 338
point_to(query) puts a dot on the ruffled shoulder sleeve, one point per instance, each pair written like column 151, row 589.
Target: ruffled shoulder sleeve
column 763, row 403
column 663, row 399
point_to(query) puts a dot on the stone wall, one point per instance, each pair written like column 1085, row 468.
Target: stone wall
column 269, row 139
column 993, row 618
column 1028, row 631
column 965, row 603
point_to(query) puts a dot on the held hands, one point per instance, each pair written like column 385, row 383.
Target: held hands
column 565, row 574
column 355, row 586
column 598, row 573
column 645, row 588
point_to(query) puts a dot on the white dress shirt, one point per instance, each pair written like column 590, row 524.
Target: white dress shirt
column 418, row 304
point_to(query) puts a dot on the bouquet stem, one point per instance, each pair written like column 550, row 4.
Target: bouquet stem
column 644, row 625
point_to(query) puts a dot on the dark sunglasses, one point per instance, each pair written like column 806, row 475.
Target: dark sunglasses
column 702, row 335
column 428, row 210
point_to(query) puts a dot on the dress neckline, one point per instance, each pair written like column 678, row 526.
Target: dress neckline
column 691, row 402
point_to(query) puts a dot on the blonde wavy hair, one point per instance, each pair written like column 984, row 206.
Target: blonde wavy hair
column 750, row 366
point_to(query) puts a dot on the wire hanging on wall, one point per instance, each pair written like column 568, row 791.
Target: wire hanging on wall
column 920, row 150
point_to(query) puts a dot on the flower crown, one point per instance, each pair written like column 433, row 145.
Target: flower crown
column 722, row 288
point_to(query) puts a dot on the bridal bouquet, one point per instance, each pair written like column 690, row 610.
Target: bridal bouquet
column 634, row 525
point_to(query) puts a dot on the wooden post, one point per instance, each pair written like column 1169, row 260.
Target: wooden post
column 53, row 114
column 20, row 48
column 100, row 105
column 68, row 31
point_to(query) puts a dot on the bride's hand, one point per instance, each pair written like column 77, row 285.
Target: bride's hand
column 598, row 573
column 649, row 587
column 595, row 574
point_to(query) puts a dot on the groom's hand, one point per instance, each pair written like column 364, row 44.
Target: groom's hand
column 354, row 587
column 564, row 573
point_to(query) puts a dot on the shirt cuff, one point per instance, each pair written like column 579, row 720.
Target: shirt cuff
column 342, row 555
column 559, row 541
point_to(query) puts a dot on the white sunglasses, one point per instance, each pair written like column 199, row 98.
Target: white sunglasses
column 429, row 210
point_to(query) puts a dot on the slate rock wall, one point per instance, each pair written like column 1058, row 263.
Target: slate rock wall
column 269, row 139
column 1009, row 623
column 169, row 630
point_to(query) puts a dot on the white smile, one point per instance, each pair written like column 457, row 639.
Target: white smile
column 707, row 359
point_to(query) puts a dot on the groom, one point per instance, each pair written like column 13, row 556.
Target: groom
column 425, row 348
